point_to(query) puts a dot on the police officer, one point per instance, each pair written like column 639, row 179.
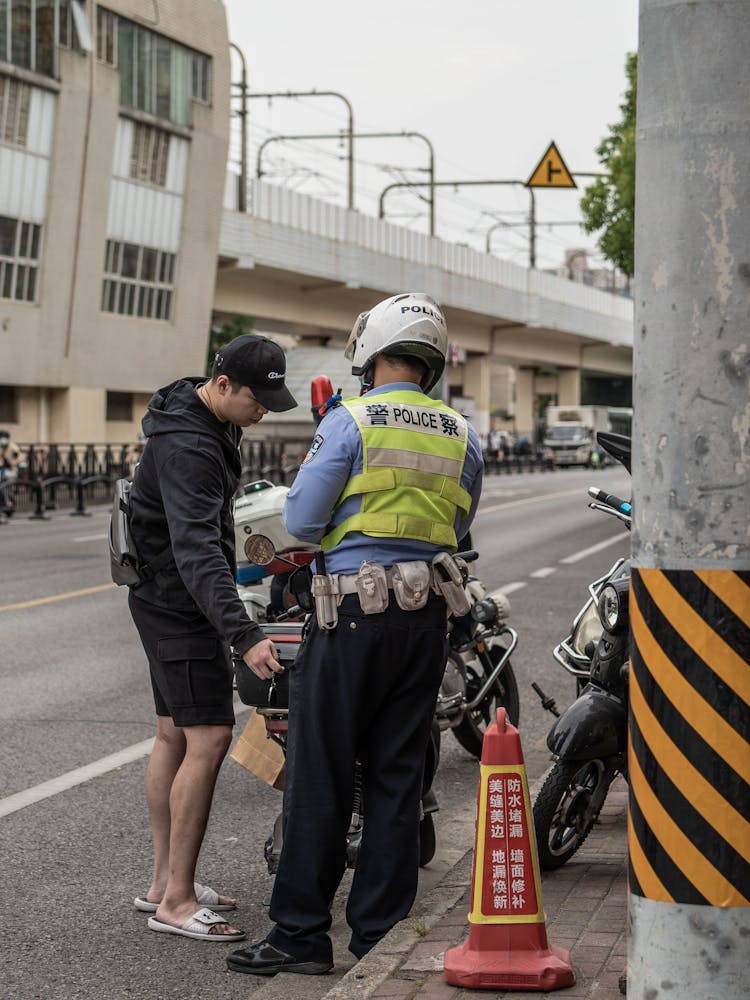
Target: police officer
column 391, row 481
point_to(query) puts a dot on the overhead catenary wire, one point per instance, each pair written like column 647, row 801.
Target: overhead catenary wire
column 458, row 216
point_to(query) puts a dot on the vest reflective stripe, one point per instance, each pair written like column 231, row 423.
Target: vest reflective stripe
column 392, row 526
column 413, row 453
column 393, row 457
column 388, row 479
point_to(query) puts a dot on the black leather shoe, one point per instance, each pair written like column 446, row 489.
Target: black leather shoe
column 262, row 959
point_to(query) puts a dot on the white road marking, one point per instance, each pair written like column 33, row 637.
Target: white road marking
column 577, row 556
column 540, row 574
column 538, row 499
column 510, row 588
column 63, row 782
column 90, row 538
column 12, row 803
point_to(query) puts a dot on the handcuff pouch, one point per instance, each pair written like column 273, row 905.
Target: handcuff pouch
column 411, row 584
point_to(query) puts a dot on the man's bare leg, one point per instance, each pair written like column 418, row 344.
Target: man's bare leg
column 189, row 807
column 164, row 762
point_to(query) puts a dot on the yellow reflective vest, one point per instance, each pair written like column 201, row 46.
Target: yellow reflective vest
column 413, row 453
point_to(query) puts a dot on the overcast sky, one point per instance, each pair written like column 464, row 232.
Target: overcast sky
column 489, row 82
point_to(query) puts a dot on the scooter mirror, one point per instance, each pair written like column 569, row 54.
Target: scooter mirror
column 259, row 550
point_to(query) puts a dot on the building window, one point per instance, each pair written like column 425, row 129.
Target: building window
column 29, row 30
column 15, row 98
column 75, row 32
column 148, row 158
column 106, row 36
column 138, row 280
column 119, row 405
column 157, row 75
column 201, row 85
column 19, row 258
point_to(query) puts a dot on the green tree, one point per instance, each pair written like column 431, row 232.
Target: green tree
column 608, row 205
column 220, row 335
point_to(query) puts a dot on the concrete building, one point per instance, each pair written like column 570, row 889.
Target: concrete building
column 114, row 124
column 119, row 248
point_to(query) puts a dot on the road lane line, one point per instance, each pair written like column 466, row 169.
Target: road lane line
column 510, row 588
column 64, row 782
column 57, row 597
column 540, row 574
column 90, row 538
column 577, row 556
column 538, row 499
column 12, row 803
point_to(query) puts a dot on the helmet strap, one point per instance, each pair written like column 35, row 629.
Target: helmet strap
column 366, row 379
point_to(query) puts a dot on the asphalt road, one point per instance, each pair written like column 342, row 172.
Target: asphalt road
column 74, row 845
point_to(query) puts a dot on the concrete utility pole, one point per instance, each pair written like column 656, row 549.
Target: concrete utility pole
column 689, row 761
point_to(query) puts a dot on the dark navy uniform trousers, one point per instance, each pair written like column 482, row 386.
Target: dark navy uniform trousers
column 365, row 690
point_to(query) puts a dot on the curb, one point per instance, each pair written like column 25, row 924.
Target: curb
column 386, row 957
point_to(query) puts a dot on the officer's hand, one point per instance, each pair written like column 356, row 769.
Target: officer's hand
column 262, row 659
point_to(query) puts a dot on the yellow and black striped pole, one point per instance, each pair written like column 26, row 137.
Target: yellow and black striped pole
column 689, row 745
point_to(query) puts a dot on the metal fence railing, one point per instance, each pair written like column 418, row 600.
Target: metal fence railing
column 76, row 476
column 49, row 476
column 52, row 476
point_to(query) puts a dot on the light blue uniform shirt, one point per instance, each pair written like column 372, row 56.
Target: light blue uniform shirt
column 334, row 457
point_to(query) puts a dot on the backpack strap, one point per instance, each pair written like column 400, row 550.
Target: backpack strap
column 150, row 569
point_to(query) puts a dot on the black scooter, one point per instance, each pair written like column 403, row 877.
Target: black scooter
column 589, row 740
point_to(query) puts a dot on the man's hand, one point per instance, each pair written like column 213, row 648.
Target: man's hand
column 262, row 659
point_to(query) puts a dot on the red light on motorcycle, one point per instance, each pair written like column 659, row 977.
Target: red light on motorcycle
column 321, row 391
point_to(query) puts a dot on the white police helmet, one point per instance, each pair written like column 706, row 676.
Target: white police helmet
column 410, row 324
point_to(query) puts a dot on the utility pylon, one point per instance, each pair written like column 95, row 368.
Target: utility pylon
column 689, row 759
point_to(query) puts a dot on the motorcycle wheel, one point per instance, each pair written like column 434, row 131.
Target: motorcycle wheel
column 561, row 811
column 427, row 840
column 504, row 694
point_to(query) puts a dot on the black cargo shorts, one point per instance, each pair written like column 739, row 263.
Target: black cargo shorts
column 191, row 668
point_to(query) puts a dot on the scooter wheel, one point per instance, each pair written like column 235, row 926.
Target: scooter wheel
column 563, row 817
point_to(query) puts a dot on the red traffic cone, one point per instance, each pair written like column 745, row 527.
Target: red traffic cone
column 507, row 946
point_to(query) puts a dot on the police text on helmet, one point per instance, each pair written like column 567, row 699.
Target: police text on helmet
column 423, row 309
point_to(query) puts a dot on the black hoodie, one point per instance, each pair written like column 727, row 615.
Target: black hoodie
column 182, row 497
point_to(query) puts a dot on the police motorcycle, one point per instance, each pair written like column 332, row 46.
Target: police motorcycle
column 478, row 677
column 270, row 698
column 589, row 740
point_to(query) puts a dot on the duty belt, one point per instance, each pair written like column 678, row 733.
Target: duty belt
column 411, row 583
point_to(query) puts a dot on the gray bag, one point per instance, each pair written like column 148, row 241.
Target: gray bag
column 125, row 564
column 123, row 555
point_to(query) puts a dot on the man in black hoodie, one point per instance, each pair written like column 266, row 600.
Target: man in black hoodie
column 190, row 612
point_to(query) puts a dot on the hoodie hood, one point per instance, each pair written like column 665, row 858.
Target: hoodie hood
column 177, row 409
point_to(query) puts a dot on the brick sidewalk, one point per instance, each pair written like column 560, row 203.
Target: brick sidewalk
column 586, row 906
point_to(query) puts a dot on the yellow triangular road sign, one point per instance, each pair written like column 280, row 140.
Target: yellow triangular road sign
column 551, row 171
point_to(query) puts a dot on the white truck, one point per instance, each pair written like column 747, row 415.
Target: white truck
column 570, row 437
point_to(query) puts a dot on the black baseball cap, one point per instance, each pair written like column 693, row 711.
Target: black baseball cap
column 259, row 364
